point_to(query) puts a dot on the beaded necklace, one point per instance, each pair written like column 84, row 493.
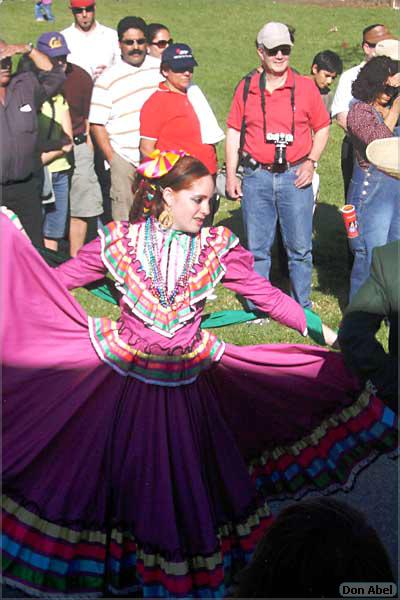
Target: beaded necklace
column 158, row 284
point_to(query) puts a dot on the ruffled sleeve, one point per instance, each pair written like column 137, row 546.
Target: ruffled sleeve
column 241, row 278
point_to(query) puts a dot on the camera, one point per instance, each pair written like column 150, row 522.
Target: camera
column 281, row 140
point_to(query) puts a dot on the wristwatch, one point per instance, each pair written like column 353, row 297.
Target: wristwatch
column 31, row 47
column 314, row 162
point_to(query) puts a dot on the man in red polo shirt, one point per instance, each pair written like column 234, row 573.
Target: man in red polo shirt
column 286, row 128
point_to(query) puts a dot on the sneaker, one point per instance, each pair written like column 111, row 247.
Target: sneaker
column 263, row 321
column 40, row 19
column 212, row 297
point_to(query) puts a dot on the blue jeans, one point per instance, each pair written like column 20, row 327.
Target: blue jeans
column 43, row 11
column 376, row 197
column 268, row 197
column 55, row 215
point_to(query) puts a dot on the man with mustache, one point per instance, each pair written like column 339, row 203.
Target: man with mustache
column 118, row 96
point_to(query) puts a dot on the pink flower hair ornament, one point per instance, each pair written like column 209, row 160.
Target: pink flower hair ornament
column 159, row 163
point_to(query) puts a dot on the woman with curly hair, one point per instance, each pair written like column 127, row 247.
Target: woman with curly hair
column 375, row 194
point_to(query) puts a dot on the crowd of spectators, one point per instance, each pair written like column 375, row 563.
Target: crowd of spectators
column 71, row 146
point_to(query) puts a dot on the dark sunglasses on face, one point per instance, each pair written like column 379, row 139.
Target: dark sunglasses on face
column 285, row 50
column 139, row 42
column 5, row 63
column 79, row 10
column 182, row 69
column 162, row 43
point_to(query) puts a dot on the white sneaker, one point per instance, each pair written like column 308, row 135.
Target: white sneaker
column 212, row 296
column 262, row 321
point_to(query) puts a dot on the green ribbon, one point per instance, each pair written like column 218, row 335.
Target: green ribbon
column 105, row 291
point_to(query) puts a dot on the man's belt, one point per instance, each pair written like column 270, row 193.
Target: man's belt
column 249, row 161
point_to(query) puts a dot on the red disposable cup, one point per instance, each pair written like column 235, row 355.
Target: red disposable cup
column 350, row 220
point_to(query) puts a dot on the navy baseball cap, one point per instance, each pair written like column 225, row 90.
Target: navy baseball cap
column 53, row 44
column 178, row 57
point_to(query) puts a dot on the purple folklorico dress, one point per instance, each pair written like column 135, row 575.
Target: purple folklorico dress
column 139, row 454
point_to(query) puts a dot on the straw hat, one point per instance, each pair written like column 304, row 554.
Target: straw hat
column 385, row 154
column 390, row 48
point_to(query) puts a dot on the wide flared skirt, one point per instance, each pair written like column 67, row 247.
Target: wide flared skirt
column 114, row 485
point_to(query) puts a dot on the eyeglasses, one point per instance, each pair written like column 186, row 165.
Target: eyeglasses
column 139, row 42
column 79, row 10
column 370, row 44
column 285, row 50
column 5, row 63
column 162, row 43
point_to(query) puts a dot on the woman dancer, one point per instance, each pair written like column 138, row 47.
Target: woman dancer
column 139, row 454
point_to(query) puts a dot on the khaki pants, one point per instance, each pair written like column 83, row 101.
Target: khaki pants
column 122, row 178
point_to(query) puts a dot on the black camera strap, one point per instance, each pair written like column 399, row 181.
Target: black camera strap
column 246, row 87
column 262, row 83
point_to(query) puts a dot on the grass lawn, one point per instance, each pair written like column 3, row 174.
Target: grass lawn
column 222, row 35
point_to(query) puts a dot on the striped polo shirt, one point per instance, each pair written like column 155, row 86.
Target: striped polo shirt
column 118, row 96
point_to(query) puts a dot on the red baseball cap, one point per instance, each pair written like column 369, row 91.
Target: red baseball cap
column 81, row 3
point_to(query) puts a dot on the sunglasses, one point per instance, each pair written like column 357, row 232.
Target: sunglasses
column 370, row 44
column 162, row 43
column 139, row 42
column 5, row 63
column 79, row 10
column 285, row 50
column 181, row 69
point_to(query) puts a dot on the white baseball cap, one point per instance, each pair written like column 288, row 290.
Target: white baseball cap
column 273, row 35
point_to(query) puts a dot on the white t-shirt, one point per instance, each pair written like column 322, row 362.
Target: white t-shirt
column 92, row 49
column 343, row 96
column 117, row 98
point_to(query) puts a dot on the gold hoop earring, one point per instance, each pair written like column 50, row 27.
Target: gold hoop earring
column 166, row 219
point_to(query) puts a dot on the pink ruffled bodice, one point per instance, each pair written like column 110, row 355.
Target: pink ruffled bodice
column 159, row 344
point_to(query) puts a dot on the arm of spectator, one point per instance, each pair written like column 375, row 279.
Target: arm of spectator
column 66, row 125
column 394, row 114
column 147, row 146
column 232, row 144
column 362, row 352
column 341, row 119
column 48, row 157
column 89, row 140
column 365, row 125
column 305, row 172
column 102, row 140
column 41, row 61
